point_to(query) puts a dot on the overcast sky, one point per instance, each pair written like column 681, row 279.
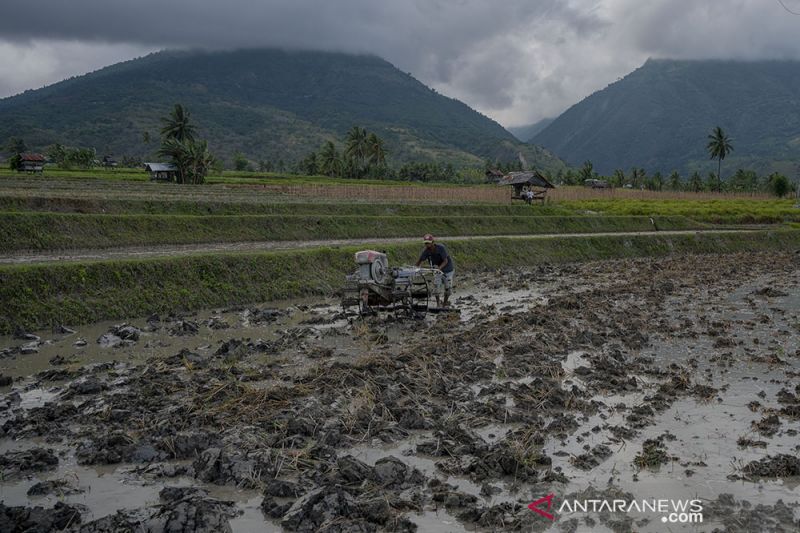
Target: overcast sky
column 517, row 61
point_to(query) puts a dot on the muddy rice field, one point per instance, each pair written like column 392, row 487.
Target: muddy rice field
column 669, row 379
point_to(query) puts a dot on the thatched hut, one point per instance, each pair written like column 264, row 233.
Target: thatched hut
column 529, row 180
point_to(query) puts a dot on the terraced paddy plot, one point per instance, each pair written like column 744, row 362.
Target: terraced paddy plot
column 726, row 211
column 170, row 248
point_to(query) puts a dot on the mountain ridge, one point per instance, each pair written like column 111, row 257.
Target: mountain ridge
column 268, row 104
column 658, row 117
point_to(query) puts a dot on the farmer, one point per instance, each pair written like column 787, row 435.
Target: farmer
column 437, row 256
column 529, row 196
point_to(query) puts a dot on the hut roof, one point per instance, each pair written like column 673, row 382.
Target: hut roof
column 160, row 167
column 38, row 158
column 527, row 178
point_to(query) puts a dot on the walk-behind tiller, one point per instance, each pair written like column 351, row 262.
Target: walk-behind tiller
column 403, row 290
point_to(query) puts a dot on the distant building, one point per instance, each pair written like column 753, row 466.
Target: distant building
column 161, row 171
column 109, row 162
column 596, row 184
column 31, row 163
column 522, row 182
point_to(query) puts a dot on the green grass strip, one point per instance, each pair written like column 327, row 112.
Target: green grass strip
column 725, row 211
column 37, row 296
column 178, row 206
column 138, row 175
column 58, row 231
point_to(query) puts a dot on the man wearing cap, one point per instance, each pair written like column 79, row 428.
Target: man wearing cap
column 437, row 256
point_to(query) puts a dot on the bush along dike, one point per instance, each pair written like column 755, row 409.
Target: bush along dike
column 60, row 231
column 38, row 296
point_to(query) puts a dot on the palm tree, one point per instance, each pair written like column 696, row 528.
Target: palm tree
column 587, row 171
column 192, row 159
column 695, row 182
column 675, row 181
column 712, row 182
column 376, row 150
column 719, row 145
column 638, row 176
column 176, row 151
column 657, row 182
column 356, row 146
column 329, row 162
column 199, row 161
column 618, row 179
column 177, row 125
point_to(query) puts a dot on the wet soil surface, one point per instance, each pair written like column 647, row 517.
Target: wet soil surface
column 624, row 380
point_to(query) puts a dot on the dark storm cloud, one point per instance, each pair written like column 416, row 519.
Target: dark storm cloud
column 414, row 33
column 515, row 60
column 435, row 40
column 719, row 29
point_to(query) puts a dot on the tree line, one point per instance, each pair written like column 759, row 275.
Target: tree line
column 638, row 178
column 66, row 157
column 719, row 146
column 189, row 155
column 363, row 154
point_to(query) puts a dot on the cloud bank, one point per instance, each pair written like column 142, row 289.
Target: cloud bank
column 517, row 61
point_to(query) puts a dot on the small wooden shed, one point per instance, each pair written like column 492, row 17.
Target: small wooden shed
column 31, row 163
column 530, row 180
column 161, row 171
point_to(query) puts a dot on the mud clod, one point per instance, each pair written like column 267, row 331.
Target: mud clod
column 393, row 473
column 16, row 464
column 778, row 466
column 330, row 509
column 38, row 519
column 218, row 466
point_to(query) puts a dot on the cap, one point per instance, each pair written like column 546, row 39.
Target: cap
column 427, row 238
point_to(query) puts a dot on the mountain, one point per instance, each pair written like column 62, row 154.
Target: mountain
column 526, row 133
column 268, row 104
column 659, row 118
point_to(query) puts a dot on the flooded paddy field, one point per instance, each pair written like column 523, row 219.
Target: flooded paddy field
column 603, row 384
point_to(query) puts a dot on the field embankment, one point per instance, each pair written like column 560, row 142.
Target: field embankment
column 72, row 293
column 236, row 205
column 58, row 231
